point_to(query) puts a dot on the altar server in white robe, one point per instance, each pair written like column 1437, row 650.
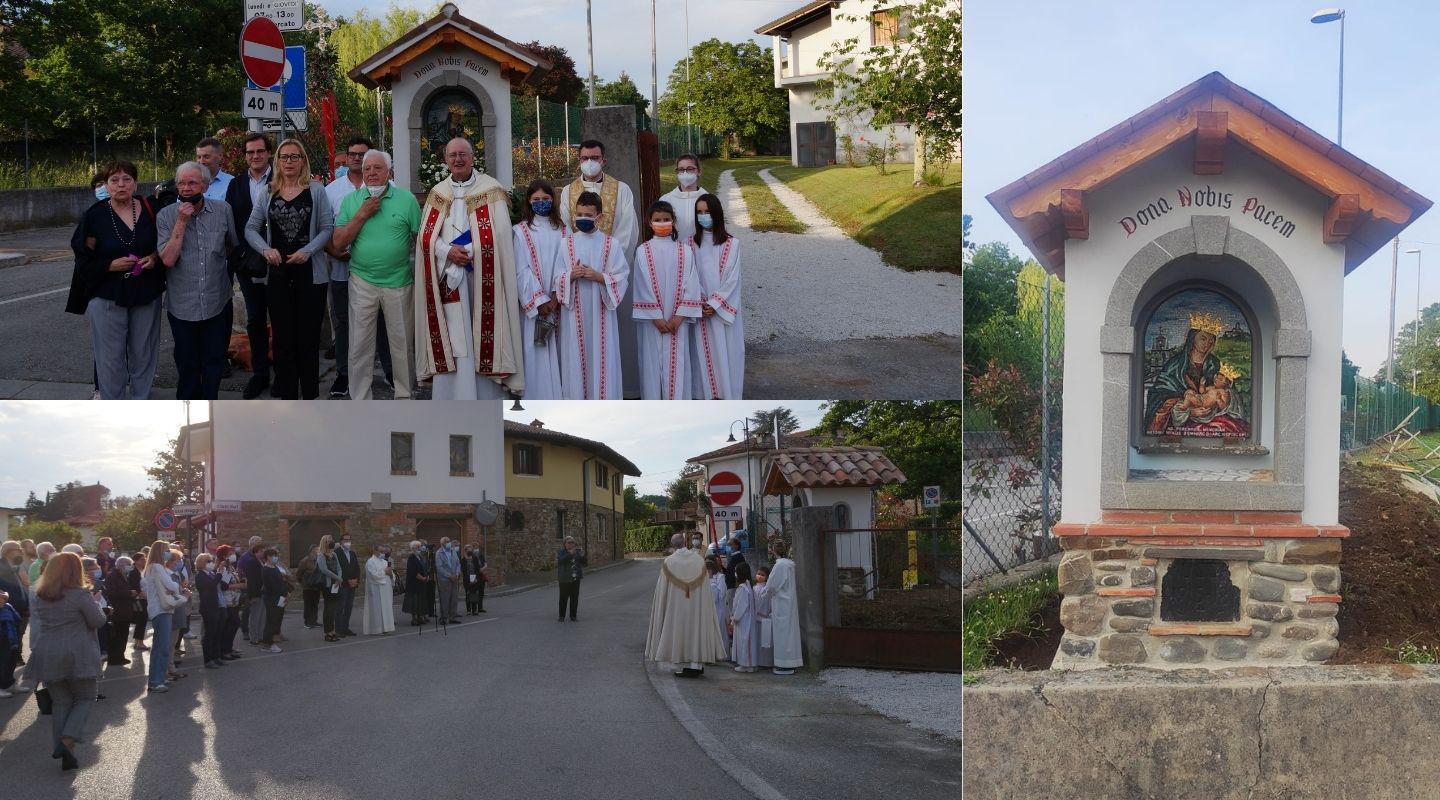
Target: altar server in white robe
column 467, row 314
column 784, row 612
column 764, row 625
column 682, row 198
column 538, row 237
column 718, row 365
column 379, row 593
column 717, row 589
column 592, row 275
column 744, row 626
column 667, row 305
column 683, row 630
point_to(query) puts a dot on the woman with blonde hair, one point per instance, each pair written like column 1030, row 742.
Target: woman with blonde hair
column 163, row 595
column 66, row 660
column 327, row 566
column 294, row 213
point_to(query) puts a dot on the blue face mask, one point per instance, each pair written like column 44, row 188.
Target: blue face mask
column 542, row 207
column 704, row 221
column 102, row 192
column 585, row 224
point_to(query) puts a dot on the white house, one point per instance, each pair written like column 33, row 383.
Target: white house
column 293, row 472
column 798, row 41
column 8, row 517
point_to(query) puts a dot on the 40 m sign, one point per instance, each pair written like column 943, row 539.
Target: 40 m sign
column 261, row 104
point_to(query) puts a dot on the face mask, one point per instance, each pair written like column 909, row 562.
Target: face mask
column 585, row 224
column 542, row 207
column 275, row 560
column 210, row 567
column 376, row 191
column 102, row 193
column 189, row 198
column 662, row 228
column 345, row 545
column 695, row 543
column 230, row 558
column 590, row 168
column 454, row 547
column 126, row 570
column 687, row 177
column 95, row 573
column 704, row 221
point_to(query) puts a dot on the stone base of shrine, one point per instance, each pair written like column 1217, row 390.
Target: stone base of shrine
column 1184, row 589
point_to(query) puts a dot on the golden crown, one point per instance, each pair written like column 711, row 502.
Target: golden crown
column 1205, row 321
column 1228, row 371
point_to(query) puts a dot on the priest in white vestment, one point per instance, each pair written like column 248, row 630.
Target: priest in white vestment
column 592, row 275
column 379, row 594
column 784, row 612
column 467, row 311
column 666, row 307
column 719, row 340
column 682, row 198
column 683, row 629
column 538, row 237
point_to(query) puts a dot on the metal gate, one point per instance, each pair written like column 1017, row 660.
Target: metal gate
column 892, row 598
column 815, row 143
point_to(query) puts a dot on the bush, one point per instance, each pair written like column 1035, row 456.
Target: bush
column 650, row 539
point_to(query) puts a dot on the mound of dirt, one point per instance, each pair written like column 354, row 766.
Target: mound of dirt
column 1033, row 648
column 1390, row 566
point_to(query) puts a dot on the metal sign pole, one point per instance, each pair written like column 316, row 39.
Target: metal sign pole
column 1045, row 416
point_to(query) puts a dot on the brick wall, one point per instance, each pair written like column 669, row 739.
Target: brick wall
column 531, row 547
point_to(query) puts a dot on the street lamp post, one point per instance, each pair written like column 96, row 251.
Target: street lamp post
column 590, row 46
column 1321, row 17
column 1415, row 373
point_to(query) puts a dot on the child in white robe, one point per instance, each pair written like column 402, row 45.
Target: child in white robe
column 591, row 277
column 538, row 237
column 743, row 624
column 765, row 634
column 718, row 365
column 717, row 589
column 665, row 308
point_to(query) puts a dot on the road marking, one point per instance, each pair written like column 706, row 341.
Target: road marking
column 34, row 296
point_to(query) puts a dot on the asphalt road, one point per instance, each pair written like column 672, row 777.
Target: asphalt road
column 514, row 705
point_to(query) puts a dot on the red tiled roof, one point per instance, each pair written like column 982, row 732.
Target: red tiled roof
column 819, row 467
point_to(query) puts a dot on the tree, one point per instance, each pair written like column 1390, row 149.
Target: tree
column 732, row 85
column 762, row 424
column 990, row 281
column 358, row 38
column 561, row 84
column 57, row 533
column 638, row 510
column 33, row 505
column 657, row 500
column 175, row 480
column 1422, row 352
column 914, row 80
column 922, row 437
column 681, row 491
column 620, row 92
column 129, row 526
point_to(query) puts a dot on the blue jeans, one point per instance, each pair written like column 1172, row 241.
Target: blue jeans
column 161, row 644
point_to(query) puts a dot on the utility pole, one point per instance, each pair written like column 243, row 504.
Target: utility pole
column 1390, row 341
column 590, row 44
column 654, row 71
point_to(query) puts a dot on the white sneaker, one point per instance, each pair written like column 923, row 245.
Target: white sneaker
column 4, row 693
column 191, row 636
column 779, row 671
column 20, row 688
column 274, row 648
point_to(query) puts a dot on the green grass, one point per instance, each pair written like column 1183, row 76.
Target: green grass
column 767, row 213
column 993, row 616
column 912, row 227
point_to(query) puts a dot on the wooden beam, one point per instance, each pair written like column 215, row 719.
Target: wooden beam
column 1074, row 214
column 1211, row 132
column 1342, row 218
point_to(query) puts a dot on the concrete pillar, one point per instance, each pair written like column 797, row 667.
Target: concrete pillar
column 615, row 126
column 816, row 592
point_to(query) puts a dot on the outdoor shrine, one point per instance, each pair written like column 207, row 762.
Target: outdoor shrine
column 450, row 76
column 1204, row 243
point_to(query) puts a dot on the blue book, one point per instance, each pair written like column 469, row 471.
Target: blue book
column 463, row 239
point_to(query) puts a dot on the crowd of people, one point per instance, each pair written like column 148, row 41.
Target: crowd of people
column 81, row 612
column 440, row 292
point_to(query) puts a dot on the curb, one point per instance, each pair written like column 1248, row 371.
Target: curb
column 13, row 259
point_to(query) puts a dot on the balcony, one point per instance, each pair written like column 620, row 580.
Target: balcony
column 690, row 512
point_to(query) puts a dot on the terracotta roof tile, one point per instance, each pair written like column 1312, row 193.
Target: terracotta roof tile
column 816, row 467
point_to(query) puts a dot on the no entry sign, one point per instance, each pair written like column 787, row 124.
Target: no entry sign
column 262, row 51
column 725, row 488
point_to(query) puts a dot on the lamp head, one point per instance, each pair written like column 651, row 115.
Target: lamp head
column 1413, row 250
column 1325, row 15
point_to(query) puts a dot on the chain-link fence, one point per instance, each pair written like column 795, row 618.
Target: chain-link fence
column 1374, row 408
column 28, row 161
column 1011, row 485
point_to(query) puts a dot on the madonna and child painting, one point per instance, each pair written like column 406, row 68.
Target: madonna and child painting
column 1202, row 386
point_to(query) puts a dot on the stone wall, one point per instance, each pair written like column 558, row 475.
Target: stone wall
column 24, row 209
column 531, row 546
column 1288, row 593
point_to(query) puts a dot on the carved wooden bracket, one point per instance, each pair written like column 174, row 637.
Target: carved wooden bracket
column 1211, row 133
column 1074, row 214
column 1342, row 218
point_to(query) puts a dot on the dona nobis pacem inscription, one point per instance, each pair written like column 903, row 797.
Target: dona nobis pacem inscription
column 1202, row 375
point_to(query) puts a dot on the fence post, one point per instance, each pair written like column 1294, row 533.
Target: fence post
column 539, row 149
column 155, row 152
column 27, row 152
column 1045, row 420
column 567, row 137
column 94, row 147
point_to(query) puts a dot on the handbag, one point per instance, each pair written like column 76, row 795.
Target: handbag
column 43, row 700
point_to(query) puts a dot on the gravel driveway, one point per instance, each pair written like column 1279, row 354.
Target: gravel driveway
column 929, row 701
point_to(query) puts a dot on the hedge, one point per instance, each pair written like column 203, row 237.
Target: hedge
column 650, row 539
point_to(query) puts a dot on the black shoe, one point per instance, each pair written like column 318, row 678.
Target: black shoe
column 340, row 387
column 330, row 352
column 118, row 662
column 572, row 619
column 230, row 656
column 67, row 760
column 455, row 620
column 481, row 611
column 689, row 673
column 256, row 385
column 559, row 619
column 348, row 632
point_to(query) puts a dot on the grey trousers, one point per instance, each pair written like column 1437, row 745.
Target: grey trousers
column 448, row 594
column 73, row 700
column 126, row 342
column 340, row 325
column 257, row 620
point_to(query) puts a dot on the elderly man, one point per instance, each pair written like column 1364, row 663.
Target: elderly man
column 378, row 227
column 466, row 286
column 196, row 235
column 684, row 629
column 348, row 180
column 447, row 579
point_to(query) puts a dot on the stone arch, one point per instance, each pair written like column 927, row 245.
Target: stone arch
column 449, row 79
column 1205, row 236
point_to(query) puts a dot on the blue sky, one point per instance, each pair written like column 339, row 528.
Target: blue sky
column 1044, row 76
column 622, row 27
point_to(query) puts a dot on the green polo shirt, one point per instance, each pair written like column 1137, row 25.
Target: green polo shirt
column 383, row 251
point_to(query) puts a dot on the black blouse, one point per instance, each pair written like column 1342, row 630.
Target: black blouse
column 290, row 222
column 114, row 239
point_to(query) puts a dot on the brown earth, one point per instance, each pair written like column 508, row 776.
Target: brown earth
column 923, row 609
column 1034, row 648
column 1390, row 567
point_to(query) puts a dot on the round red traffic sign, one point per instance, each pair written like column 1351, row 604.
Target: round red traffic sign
column 165, row 520
column 725, row 488
column 262, row 52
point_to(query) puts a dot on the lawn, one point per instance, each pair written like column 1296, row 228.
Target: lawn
column 766, row 211
column 912, row 228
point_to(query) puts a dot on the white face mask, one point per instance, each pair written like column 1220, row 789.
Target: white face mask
column 688, row 177
column 345, row 545
column 376, row 191
column 590, row 168
column 231, row 558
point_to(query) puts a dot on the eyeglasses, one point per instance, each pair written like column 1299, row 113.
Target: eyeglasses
column 354, row 154
column 259, row 152
column 290, row 157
